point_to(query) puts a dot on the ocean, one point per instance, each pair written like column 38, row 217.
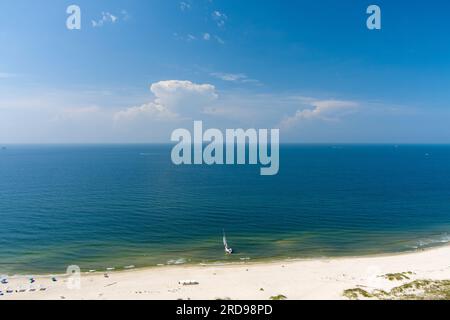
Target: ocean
column 102, row 206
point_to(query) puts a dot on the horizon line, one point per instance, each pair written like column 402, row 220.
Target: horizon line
column 5, row 144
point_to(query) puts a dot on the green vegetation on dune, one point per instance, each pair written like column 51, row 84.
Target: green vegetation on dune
column 416, row 290
column 278, row 297
column 398, row 276
column 356, row 294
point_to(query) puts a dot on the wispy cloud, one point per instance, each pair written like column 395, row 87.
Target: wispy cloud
column 220, row 18
column 206, row 36
column 125, row 15
column 184, row 6
column 328, row 110
column 219, row 39
column 234, row 77
column 109, row 18
column 188, row 37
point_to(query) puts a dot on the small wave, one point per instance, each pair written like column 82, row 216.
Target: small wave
column 429, row 242
column 177, row 261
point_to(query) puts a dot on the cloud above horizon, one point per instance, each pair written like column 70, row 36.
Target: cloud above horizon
column 327, row 110
column 131, row 115
column 174, row 99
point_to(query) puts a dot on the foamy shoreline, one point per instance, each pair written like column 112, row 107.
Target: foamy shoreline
column 321, row 278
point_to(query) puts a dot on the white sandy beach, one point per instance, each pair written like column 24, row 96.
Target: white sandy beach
column 300, row 279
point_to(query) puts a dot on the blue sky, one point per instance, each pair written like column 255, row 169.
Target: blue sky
column 139, row 69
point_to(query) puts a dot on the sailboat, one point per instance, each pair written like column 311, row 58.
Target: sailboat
column 228, row 250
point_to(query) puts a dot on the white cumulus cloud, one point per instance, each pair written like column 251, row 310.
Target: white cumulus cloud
column 174, row 99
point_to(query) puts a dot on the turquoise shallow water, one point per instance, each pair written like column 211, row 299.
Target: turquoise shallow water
column 117, row 205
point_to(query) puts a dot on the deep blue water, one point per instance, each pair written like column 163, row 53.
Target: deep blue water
column 117, row 205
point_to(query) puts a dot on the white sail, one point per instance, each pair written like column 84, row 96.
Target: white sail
column 228, row 250
column 225, row 240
